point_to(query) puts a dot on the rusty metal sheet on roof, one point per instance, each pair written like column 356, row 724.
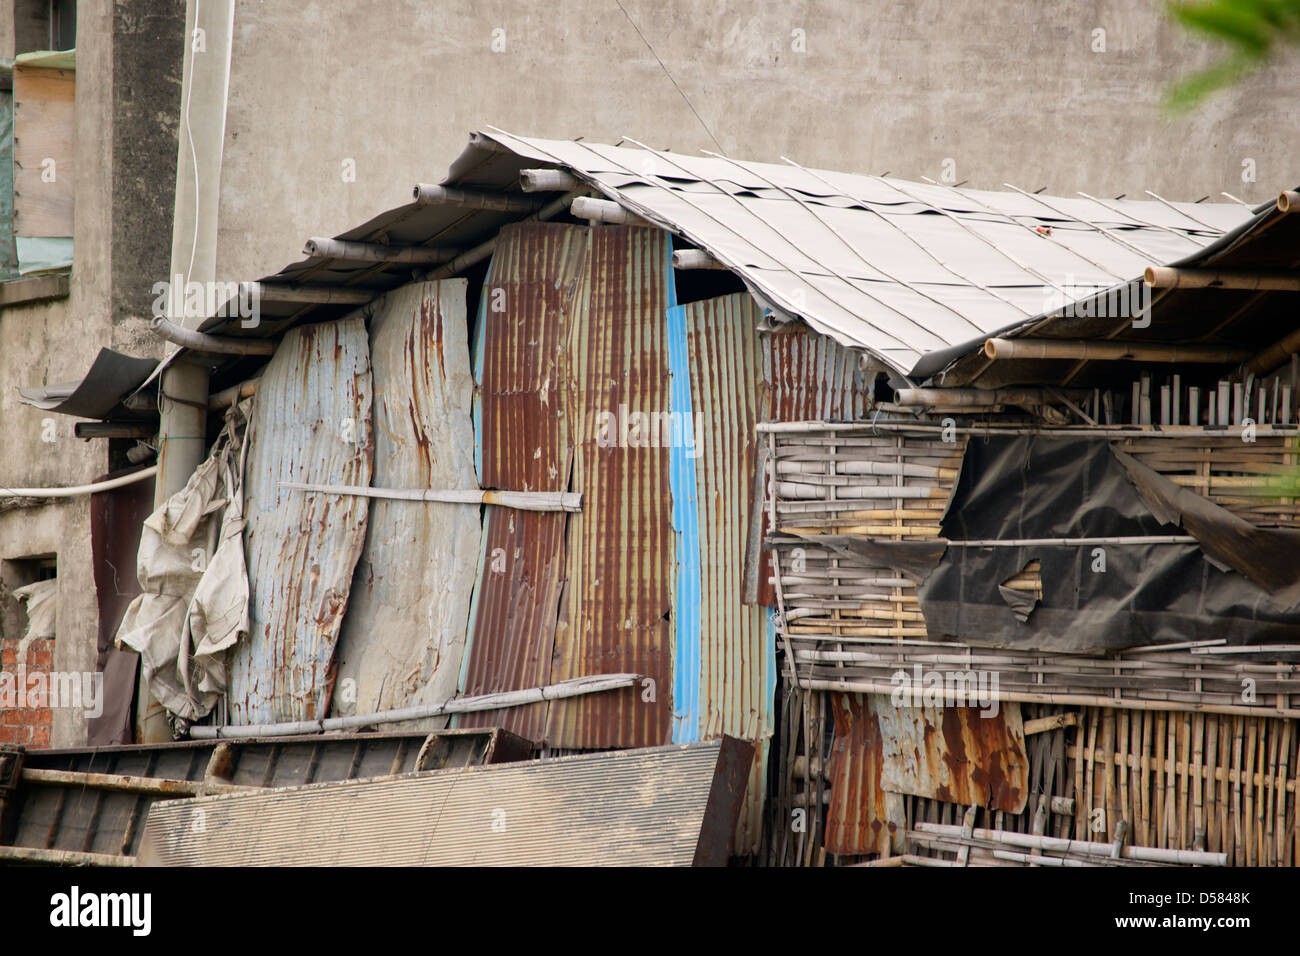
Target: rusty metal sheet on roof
column 403, row 634
column 724, row 658
column 526, row 313
column 310, row 423
column 963, row 755
column 669, row 806
column 862, row 817
column 622, row 549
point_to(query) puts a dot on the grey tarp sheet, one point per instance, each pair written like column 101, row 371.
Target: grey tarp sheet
column 1239, row 584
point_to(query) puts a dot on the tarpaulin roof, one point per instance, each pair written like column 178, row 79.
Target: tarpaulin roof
column 898, row 268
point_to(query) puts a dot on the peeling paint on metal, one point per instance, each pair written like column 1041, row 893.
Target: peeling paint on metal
column 724, row 659
column 310, row 423
column 403, row 636
column 960, row 755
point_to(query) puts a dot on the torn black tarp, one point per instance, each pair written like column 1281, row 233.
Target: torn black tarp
column 111, row 377
column 1098, row 597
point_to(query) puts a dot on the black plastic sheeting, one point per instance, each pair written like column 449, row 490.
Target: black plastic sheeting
column 1239, row 583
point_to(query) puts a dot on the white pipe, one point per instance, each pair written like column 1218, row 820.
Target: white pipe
column 79, row 490
column 511, row 698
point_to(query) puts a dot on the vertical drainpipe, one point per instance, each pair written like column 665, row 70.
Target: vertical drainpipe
column 182, row 404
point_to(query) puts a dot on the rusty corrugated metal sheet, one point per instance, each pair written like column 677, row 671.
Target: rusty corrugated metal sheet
column 526, row 314
column 812, row 377
column 862, row 816
column 723, row 658
column 668, row 806
column 955, row 754
column 622, row 551
column 310, row 423
column 807, row 377
column 404, row 631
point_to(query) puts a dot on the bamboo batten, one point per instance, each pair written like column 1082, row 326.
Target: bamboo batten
column 1191, row 789
column 1152, row 750
column 1107, row 350
column 1168, row 277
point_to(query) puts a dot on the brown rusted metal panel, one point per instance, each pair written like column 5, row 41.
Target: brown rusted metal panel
column 526, row 313
column 403, row 634
column 806, row 377
column 862, row 817
column 963, row 755
column 621, row 546
column 311, row 424
column 724, row 658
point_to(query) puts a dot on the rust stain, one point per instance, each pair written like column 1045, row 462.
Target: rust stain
column 960, row 755
column 862, row 817
column 806, row 377
column 622, row 549
column 529, row 298
column 310, row 423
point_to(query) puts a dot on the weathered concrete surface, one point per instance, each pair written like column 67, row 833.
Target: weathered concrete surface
column 1008, row 92
column 125, row 112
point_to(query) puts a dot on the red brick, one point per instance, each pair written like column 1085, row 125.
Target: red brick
column 41, row 737
column 15, row 735
column 39, row 659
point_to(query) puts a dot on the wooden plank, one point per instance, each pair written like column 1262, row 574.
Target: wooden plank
column 44, row 130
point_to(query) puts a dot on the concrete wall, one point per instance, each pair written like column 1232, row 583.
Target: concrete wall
column 128, row 69
column 1008, row 91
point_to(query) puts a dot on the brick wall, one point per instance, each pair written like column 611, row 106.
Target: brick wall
column 26, row 725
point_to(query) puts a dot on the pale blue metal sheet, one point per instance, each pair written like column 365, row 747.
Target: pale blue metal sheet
column 311, row 424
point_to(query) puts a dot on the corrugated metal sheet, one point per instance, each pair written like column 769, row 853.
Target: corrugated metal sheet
column 310, row 423
column 671, row 806
column 533, row 288
column 899, row 268
column 806, row 377
column 622, row 550
column 724, row 663
column 403, row 634
column 955, row 754
column 862, row 817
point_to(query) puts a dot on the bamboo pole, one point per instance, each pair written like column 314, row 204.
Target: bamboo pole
column 1086, row 848
column 958, row 397
column 24, row 854
column 867, row 686
column 519, row 500
column 427, row 195
column 604, row 210
column 548, row 181
column 1168, row 277
column 236, row 393
column 347, row 251
column 577, row 687
column 696, row 259
column 125, row 783
column 1107, row 350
